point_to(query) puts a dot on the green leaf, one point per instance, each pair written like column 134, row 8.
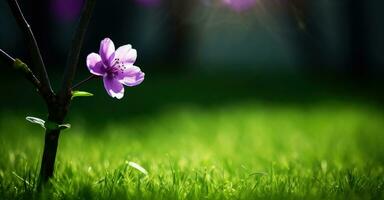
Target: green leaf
column 81, row 94
column 18, row 64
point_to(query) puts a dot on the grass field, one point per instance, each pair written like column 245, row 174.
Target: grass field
column 243, row 149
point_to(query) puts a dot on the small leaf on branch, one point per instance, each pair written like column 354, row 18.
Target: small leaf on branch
column 64, row 126
column 20, row 65
column 36, row 120
column 81, row 94
column 49, row 125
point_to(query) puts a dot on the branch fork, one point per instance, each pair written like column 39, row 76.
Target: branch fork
column 57, row 104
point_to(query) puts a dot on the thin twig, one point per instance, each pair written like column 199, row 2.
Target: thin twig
column 7, row 59
column 77, row 43
column 32, row 45
column 83, row 81
column 19, row 65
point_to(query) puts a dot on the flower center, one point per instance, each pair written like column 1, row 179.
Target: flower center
column 116, row 68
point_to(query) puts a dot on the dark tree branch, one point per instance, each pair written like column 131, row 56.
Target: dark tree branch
column 7, row 59
column 77, row 43
column 37, row 59
column 57, row 104
column 58, row 107
column 19, row 65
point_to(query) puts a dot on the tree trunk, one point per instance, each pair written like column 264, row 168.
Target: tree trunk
column 49, row 155
column 58, row 109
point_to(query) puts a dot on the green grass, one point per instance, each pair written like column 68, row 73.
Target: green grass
column 203, row 136
column 243, row 150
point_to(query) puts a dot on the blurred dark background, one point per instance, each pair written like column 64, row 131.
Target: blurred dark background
column 210, row 52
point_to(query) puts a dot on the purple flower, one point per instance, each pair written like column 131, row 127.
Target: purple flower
column 240, row 5
column 116, row 67
column 149, row 2
column 66, row 10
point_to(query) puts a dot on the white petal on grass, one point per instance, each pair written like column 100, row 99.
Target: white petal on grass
column 138, row 167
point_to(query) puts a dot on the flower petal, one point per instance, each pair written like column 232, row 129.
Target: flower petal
column 94, row 64
column 131, row 76
column 114, row 88
column 126, row 54
column 107, row 48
